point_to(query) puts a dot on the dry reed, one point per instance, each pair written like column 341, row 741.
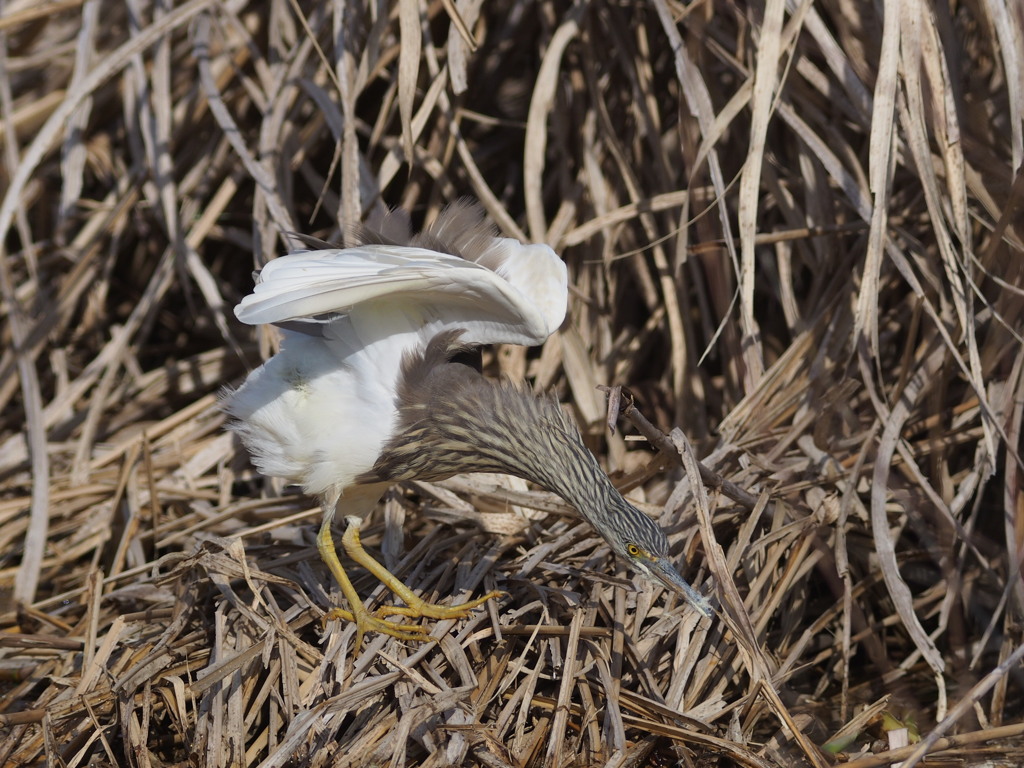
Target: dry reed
column 791, row 231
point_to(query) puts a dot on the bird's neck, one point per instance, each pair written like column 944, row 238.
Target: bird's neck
column 457, row 421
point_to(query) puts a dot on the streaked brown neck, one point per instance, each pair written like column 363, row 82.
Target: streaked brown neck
column 452, row 420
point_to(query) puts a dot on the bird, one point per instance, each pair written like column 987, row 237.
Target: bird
column 375, row 383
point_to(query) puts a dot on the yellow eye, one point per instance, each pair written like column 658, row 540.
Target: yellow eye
column 633, row 550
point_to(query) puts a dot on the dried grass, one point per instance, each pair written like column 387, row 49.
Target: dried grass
column 794, row 234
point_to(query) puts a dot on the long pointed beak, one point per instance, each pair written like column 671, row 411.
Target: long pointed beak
column 664, row 572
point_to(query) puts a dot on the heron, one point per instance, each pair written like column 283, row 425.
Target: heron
column 374, row 384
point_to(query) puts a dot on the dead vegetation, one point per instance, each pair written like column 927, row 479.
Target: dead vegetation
column 793, row 234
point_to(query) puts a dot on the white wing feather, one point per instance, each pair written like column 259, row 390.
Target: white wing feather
column 514, row 293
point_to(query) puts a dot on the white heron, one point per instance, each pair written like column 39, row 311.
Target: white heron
column 370, row 387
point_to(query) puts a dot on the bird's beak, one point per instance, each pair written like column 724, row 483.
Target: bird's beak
column 663, row 571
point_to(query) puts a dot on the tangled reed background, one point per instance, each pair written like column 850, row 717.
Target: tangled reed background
column 794, row 234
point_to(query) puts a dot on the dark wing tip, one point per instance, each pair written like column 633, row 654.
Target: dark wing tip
column 461, row 229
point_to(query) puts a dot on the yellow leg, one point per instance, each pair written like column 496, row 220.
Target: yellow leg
column 416, row 607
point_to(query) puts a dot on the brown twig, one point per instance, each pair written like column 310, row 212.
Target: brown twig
column 618, row 394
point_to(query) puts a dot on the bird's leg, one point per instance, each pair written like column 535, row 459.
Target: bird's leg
column 362, row 618
column 415, row 606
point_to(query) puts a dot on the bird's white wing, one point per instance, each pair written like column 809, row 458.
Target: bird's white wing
column 511, row 294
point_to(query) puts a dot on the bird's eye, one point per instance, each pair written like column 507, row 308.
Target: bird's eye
column 633, row 550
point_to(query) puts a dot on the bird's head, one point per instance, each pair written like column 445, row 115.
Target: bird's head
column 637, row 540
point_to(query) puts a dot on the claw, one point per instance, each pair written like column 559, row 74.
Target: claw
column 366, row 621
column 422, row 609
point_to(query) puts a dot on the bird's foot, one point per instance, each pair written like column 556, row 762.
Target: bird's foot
column 419, row 608
column 376, row 621
column 368, row 621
